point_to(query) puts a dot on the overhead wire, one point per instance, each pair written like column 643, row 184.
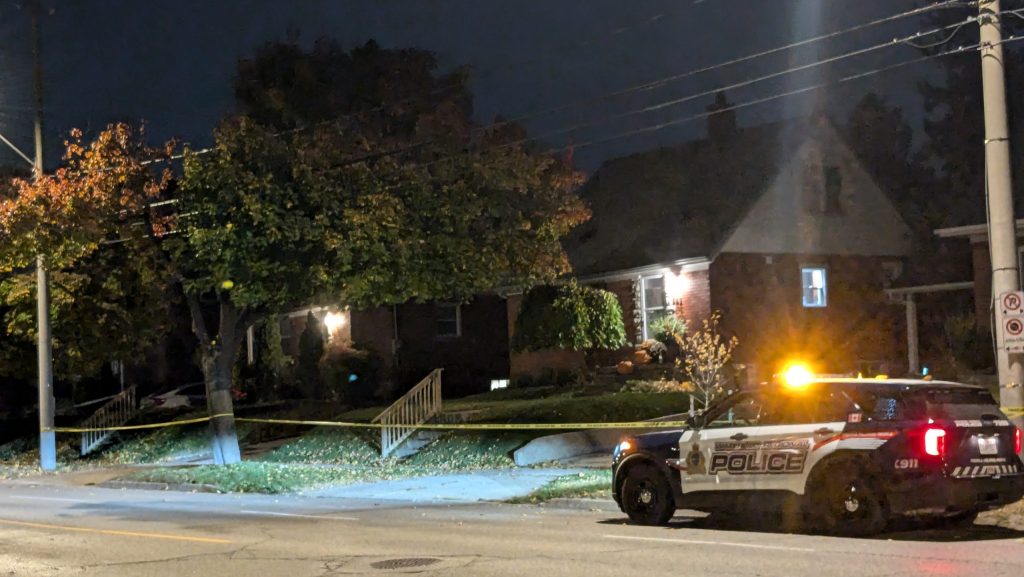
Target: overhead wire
column 677, row 101
column 664, row 81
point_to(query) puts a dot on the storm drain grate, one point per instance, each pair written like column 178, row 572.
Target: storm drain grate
column 407, row 563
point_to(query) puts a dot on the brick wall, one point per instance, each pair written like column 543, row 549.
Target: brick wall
column 470, row 361
column 695, row 303
column 761, row 303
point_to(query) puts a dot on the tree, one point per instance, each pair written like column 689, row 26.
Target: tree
column 955, row 126
column 570, row 317
column 108, row 300
column 704, row 354
column 266, row 221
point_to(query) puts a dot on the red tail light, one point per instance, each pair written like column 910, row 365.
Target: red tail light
column 1016, row 441
column 935, row 442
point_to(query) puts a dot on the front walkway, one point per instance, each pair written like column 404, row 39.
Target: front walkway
column 466, row 487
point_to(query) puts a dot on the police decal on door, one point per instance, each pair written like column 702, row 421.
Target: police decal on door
column 781, row 457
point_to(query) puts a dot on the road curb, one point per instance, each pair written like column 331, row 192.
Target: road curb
column 581, row 504
column 149, row 486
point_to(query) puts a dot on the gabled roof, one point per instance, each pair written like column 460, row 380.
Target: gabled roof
column 677, row 203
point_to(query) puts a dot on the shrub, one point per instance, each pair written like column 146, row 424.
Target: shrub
column 665, row 329
column 350, row 375
column 705, row 354
column 569, row 317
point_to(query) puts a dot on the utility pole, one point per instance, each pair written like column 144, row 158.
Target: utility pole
column 1001, row 221
column 47, row 440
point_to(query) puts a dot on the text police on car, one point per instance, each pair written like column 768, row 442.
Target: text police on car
column 843, row 455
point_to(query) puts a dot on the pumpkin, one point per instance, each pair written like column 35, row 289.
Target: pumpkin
column 624, row 368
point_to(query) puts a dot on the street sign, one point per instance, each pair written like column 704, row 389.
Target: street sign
column 1012, row 302
column 1011, row 319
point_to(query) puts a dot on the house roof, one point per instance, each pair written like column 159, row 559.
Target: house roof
column 677, row 203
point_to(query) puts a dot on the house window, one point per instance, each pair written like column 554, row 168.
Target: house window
column 833, row 189
column 449, row 321
column 815, row 286
column 655, row 305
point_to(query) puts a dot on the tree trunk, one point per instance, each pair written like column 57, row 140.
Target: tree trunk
column 218, row 371
column 218, row 360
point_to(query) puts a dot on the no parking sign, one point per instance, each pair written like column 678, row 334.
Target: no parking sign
column 1011, row 307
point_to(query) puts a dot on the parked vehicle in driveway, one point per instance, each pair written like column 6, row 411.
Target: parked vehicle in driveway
column 190, row 395
column 842, row 456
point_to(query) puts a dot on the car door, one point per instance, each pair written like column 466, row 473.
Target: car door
column 715, row 449
column 793, row 434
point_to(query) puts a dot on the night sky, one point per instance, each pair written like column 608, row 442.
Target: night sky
column 171, row 63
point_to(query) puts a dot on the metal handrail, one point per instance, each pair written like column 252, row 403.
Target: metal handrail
column 118, row 411
column 405, row 415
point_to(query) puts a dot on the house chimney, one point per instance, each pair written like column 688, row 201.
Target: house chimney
column 722, row 119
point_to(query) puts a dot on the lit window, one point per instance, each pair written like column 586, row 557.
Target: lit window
column 449, row 320
column 815, row 287
column 654, row 304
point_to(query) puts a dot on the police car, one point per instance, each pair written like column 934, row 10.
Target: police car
column 843, row 456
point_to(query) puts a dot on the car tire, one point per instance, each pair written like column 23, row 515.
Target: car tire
column 845, row 501
column 647, row 496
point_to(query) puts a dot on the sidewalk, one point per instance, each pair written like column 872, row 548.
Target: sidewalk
column 451, row 488
column 469, row 487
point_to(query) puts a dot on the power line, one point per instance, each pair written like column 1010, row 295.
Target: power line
column 673, row 102
column 657, row 83
column 946, row 4
column 744, row 83
column 796, row 92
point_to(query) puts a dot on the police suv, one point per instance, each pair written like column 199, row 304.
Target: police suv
column 842, row 456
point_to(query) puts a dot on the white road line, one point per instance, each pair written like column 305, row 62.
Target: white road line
column 58, row 499
column 720, row 543
column 279, row 514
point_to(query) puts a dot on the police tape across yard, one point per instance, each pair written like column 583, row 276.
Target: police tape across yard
column 1008, row 411
column 427, row 426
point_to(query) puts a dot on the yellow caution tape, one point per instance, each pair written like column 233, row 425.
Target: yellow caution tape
column 478, row 426
column 1013, row 411
column 138, row 427
column 426, row 426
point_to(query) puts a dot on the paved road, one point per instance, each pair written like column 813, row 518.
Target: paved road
column 47, row 530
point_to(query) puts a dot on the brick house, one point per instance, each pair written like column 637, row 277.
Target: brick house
column 778, row 226
column 469, row 341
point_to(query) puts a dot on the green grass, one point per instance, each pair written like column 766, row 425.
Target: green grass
column 271, row 478
column 591, row 484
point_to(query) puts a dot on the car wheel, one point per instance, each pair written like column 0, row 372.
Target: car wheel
column 647, row 496
column 845, row 501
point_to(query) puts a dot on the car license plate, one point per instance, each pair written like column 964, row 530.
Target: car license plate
column 988, row 445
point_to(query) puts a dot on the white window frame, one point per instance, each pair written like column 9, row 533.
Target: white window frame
column 818, row 303
column 645, row 310
column 458, row 321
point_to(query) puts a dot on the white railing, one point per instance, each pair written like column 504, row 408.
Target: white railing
column 118, row 411
column 405, row 415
